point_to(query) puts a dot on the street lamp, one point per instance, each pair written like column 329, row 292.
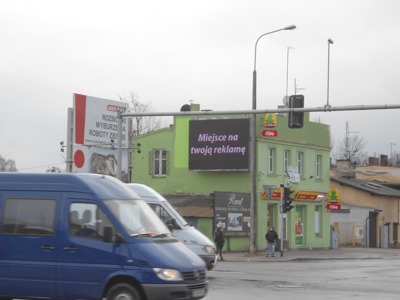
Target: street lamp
column 253, row 145
column 330, row 41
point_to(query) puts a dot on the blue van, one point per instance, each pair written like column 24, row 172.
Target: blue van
column 88, row 236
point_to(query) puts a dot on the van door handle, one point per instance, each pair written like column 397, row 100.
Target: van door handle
column 70, row 248
column 48, row 247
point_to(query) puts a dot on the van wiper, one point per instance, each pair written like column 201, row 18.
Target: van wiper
column 162, row 235
column 150, row 234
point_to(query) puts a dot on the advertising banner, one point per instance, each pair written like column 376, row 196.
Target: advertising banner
column 99, row 161
column 232, row 211
column 219, row 144
column 95, row 136
column 96, row 121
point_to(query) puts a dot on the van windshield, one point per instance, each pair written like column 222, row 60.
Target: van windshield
column 137, row 217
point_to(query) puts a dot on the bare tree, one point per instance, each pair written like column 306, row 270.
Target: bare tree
column 53, row 169
column 7, row 165
column 351, row 146
column 141, row 124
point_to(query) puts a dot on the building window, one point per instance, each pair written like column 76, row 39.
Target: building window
column 286, row 161
column 318, row 220
column 318, row 165
column 300, row 162
column 159, row 162
column 271, row 160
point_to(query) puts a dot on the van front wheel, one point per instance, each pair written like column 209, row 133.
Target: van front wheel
column 123, row 291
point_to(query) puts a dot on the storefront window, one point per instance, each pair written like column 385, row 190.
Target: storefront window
column 299, row 226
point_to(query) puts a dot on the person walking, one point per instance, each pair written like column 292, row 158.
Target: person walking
column 219, row 240
column 271, row 236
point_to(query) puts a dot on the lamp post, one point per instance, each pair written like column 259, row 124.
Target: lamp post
column 287, row 73
column 253, row 145
column 391, row 150
column 330, row 41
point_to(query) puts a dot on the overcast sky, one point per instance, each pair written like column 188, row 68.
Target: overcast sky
column 171, row 52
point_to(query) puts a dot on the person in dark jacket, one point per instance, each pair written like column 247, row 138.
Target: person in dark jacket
column 271, row 236
column 219, row 241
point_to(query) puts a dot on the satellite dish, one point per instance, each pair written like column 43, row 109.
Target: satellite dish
column 185, row 107
column 285, row 101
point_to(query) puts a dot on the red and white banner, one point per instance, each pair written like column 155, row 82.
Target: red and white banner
column 96, row 121
column 96, row 135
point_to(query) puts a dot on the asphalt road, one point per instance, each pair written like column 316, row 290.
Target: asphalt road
column 363, row 274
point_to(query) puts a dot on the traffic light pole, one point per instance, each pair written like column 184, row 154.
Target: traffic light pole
column 281, row 219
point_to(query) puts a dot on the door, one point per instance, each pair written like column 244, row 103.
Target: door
column 28, row 244
column 86, row 260
column 299, row 226
column 372, row 236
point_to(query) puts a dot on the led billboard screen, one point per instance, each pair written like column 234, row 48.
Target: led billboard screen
column 219, row 144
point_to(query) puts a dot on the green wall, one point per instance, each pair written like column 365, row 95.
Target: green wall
column 312, row 139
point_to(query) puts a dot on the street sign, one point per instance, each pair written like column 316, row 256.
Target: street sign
column 333, row 206
column 269, row 190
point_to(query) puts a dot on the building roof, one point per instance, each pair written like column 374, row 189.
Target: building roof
column 370, row 186
column 379, row 173
column 192, row 205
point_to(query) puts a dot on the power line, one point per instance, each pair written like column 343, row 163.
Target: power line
column 42, row 166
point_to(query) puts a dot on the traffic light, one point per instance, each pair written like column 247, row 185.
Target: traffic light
column 287, row 199
column 296, row 118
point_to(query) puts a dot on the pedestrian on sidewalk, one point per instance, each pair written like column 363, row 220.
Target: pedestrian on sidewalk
column 271, row 236
column 219, row 240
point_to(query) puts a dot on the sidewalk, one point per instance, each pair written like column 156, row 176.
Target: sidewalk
column 317, row 254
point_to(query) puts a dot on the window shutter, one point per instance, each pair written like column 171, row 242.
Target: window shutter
column 150, row 162
column 167, row 162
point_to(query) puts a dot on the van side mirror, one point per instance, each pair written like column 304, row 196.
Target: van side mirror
column 171, row 224
column 108, row 233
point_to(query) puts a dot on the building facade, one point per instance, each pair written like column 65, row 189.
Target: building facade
column 370, row 207
column 208, row 155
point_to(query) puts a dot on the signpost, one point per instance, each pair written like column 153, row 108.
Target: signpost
column 269, row 190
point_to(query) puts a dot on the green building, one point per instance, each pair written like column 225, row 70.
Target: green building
column 206, row 157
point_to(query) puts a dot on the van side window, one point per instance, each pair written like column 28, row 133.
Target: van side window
column 29, row 217
column 87, row 220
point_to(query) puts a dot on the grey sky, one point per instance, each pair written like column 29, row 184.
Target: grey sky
column 170, row 52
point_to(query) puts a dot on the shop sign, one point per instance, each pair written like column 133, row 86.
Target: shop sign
column 333, row 206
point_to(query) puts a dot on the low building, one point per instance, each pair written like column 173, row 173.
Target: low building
column 370, row 208
column 209, row 155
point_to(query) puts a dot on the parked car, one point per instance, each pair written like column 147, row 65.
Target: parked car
column 88, row 236
column 190, row 236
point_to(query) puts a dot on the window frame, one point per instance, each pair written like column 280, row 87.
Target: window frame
column 271, row 160
column 34, row 223
column 286, row 161
column 300, row 162
column 318, row 166
column 159, row 164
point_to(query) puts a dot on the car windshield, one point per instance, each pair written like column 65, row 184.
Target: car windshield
column 137, row 217
column 151, row 195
